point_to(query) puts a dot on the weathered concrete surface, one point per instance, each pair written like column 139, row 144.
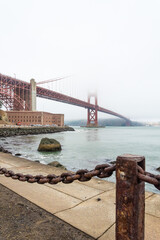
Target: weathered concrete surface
column 22, row 220
column 94, row 216
column 152, row 231
column 153, row 205
column 50, row 199
column 88, row 206
column 109, row 234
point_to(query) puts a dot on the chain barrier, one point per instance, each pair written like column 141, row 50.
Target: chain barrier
column 82, row 175
column 149, row 177
column 100, row 171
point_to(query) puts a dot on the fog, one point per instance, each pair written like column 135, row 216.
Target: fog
column 108, row 46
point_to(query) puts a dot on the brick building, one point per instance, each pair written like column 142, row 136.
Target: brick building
column 35, row 117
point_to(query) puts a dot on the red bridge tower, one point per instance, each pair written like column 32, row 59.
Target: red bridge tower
column 92, row 113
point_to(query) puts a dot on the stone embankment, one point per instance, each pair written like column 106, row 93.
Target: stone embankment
column 17, row 131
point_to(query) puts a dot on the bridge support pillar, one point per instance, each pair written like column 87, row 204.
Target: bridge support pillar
column 128, row 123
column 33, row 95
column 92, row 120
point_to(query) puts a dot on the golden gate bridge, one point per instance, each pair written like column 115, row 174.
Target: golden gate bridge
column 18, row 95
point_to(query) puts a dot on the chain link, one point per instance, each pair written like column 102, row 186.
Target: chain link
column 83, row 175
column 149, row 177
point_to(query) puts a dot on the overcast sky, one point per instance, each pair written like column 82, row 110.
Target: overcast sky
column 111, row 46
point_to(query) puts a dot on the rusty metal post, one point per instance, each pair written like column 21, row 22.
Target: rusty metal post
column 130, row 198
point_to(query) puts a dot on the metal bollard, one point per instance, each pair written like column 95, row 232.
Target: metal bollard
column 130, row 198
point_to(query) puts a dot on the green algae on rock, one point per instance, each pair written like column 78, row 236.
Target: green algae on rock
column 57, row 164
column 48, row 144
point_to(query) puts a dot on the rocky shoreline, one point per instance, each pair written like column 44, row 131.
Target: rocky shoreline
column 17, row 131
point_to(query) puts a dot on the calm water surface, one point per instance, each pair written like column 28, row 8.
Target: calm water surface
column 85, row 148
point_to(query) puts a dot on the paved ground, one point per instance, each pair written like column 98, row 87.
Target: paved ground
column 89, row 206
column 21, row 220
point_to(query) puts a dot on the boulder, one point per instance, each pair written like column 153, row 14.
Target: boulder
column 48, row 144
column 57, row 164
column 158, row 169
column 2, row 149
column 17, row 154
column 110, row 161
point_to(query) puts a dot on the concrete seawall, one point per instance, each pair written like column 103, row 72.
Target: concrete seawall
column 87, row 206
column 18, row 130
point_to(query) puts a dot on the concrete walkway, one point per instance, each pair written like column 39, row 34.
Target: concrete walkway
column 88, row 206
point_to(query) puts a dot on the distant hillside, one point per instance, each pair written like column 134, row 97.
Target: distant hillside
column 103, row 122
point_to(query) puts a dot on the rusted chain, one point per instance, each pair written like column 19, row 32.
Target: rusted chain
column 83, row 175
column 149, row 177
column 101, row 171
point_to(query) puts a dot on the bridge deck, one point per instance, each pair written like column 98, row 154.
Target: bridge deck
column 11, row 88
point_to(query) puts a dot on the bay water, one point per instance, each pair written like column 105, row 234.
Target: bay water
column 84, row 148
